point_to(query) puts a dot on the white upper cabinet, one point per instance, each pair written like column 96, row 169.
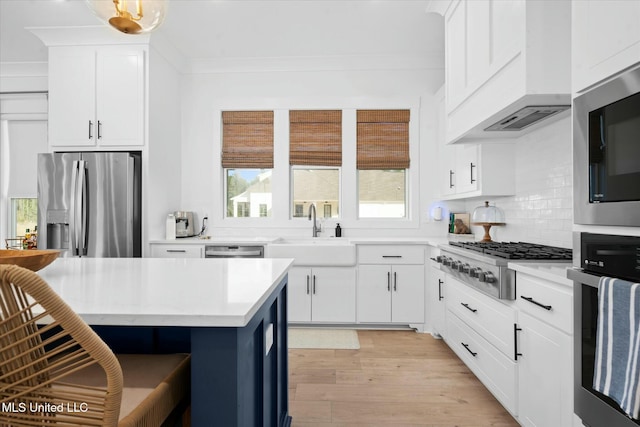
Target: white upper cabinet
column 473, row 170
column 501, row 56
column 605, row 39
column 96, row 96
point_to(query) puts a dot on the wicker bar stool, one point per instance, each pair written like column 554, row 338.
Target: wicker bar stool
column 55, row 370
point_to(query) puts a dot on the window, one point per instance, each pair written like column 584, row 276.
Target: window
column 382, row 162
column 247, row 160
column 24, row 215
column 315, row 156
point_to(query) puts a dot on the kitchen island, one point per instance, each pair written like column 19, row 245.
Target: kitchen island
column 231, row 314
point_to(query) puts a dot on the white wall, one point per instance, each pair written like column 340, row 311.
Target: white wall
column 541, row 211
column 204, row 93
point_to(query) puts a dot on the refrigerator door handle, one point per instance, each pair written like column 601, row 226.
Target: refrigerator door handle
column 130, row 180
column 84, row 223
column 73, row 231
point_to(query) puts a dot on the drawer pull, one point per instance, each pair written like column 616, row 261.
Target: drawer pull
column 181, row 251
column 466, row 346
column 532, row 301
column 465, row 305
column 391, row 256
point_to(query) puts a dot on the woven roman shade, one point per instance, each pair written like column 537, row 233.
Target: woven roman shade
column 383, row 139
column 247, row 139
column 315, row 137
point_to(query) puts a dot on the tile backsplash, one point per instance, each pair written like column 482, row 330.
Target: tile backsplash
column 541, row 210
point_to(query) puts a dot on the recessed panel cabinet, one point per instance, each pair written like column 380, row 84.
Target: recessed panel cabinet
column 96, row 96
column 391, row 284
column 606, row 39
column 322, row 294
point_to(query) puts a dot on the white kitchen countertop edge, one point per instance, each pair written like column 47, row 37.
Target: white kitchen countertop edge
column 552, row 271
column 165, row 292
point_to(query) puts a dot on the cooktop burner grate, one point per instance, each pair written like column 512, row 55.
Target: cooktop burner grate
column 517, row 250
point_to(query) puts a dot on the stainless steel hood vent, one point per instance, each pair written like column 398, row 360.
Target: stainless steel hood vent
column 526, row 117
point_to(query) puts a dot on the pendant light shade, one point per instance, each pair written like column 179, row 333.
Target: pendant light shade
column 487, row 216
column 130, row 16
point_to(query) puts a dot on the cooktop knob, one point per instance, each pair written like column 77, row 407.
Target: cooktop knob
column 439, row 259
column 447, row 261
column 487, row 277
column 464, row 268
column 475, row 272
column 454, row 264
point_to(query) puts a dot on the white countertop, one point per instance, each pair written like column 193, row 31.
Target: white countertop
column 212, row 240
column 420, row 240
column 553, row 271
column 165, row 292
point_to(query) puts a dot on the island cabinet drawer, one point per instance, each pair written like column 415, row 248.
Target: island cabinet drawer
column 496, row 371
column 176, row 251
column 490, row 318
column 550, row 302
column 391, row 254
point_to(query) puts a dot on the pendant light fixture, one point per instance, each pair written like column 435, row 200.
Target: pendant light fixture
column 487, row 216
column 130, row 16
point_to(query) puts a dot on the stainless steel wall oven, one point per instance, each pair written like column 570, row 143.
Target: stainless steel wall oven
column 600, row 255
column 606, row 145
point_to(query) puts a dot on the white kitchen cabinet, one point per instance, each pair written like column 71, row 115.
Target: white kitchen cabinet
column 391, row 294
column 436, row 298
column 498, row 53
column 391, row 284
column 544, row 341
column 96, row 96
column 474, row 170
column 544, row 373
column 605, row 39
column 322, row 294
column 177, row 251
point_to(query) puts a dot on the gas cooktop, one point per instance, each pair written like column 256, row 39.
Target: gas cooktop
column 517, row 250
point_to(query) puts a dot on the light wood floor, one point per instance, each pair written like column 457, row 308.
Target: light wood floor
column 396, row 378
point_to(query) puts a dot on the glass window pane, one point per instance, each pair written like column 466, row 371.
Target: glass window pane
column 382, row 193
column 248, row 193
column 24, row 216
column 319, row 186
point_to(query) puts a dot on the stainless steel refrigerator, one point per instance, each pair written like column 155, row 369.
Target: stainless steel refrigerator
column 89, row 203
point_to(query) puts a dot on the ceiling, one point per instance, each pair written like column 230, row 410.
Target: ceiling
column 203, row 29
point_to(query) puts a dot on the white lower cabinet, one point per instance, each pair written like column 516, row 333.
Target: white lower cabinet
column 391, row 294
column 545, row 374
column 176, row 251
column 437, row 296
column 544, row 339
column 322, row 294
column 497, row 371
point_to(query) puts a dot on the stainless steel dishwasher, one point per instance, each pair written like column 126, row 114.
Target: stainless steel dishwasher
column 234, row 251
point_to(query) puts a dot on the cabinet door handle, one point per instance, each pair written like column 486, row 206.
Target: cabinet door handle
column 99, row 128
column 471, row 172
column 515, row 342
column 388, row 281
column 395, row 281
column 307, row 284
column 451, row 173
column 465, row 305
column 181, row 251
column 466, row 346
column 90, row 126
column 440, row 282
column 314, row 284
column 532, row 301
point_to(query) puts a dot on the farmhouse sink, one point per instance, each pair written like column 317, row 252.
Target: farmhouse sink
column 314, row 251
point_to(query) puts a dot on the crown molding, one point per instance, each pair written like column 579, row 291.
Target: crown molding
column 86, row 35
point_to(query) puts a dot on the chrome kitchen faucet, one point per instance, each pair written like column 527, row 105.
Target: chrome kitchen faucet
column 312, row 211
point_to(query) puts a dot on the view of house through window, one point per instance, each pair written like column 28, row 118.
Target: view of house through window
column 24, row 216
column 248, row 192
column 381, row 193
column 319, row 186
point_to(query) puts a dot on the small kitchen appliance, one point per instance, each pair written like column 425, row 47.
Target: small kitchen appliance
column 185, row 224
